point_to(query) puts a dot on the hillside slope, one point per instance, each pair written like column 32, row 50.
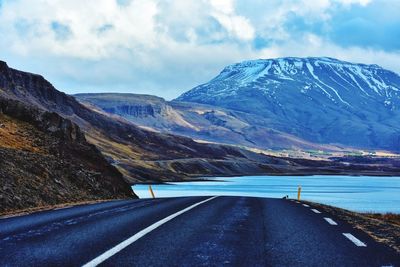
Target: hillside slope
column 46, row 160
column 321, row 100
column 198, row 121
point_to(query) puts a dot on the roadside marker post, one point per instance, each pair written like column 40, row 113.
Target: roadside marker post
column 151, row 191
column 298, row 193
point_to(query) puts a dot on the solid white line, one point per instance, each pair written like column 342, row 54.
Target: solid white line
column 353, row 239
column 109, row 253
column 316, row 211
column 305, row 205
column 330, row 221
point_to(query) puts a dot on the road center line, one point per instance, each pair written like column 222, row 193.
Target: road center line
column 330, row 221
column 316, row 211
column 355, row 240
column 109, row 253
column 305, row 205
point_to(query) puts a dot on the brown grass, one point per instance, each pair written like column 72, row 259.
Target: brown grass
column 383, row 228
column 387, row 217
column 117, row 151
column 17, row 135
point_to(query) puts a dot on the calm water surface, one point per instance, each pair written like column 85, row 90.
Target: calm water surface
column 358, row 193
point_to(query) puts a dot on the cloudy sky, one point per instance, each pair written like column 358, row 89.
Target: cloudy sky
column 165, row 47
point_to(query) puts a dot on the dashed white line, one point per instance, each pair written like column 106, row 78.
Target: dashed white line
column 330, row 221
column 316, row 211
column 111, row 252
column 305, row 205
column 355, row 240
column 297, row 202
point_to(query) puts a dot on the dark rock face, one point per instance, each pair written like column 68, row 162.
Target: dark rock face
column 128, row 105
column 135, row 111
column 321, row 100
column 33, row 89
column 46, row 121
column 56, row 164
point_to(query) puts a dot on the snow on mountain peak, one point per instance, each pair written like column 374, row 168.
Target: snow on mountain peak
column 335, row 79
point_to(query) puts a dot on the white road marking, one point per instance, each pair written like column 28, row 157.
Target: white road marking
column 316, row 211
column 109, row 253
column 297, row 202
column 355, row 240
column 305, row 205
column 330, row 221
column 61, row 208
column 14, row 215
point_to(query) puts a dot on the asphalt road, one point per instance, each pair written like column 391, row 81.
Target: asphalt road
column 195, row 231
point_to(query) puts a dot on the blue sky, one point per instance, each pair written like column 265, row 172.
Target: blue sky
column 166, row 47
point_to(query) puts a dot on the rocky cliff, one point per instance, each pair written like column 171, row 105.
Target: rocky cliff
column 46, row 160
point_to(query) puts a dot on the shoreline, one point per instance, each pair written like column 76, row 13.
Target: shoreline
column 206, row 177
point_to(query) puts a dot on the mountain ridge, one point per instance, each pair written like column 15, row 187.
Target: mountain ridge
column 198, row 121
column 306, row 97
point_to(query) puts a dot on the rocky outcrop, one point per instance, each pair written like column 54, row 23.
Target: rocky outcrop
column 46, row 160
column 128, row 105
column 140, row 111
column 49, row 122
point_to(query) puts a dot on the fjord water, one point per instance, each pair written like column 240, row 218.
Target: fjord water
column 357, row 193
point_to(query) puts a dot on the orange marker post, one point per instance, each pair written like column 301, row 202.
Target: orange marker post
column 151, row 191
column 298, row 193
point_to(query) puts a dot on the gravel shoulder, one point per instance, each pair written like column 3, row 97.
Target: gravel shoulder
column 384, row 228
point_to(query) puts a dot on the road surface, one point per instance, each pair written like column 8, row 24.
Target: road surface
column 190, row 231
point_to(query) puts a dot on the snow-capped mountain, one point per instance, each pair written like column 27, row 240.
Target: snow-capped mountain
column 320, row 99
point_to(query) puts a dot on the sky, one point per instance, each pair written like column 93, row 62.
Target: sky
column 166, row 47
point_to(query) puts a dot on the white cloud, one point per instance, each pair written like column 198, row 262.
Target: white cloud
column 132, row 26
column 237, row 26
column 161, row 47
column 350, row 2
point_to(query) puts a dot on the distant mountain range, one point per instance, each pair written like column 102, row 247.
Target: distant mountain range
column 288, row 103
column 321, row 100
column 54, row 149
column 198, row 121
